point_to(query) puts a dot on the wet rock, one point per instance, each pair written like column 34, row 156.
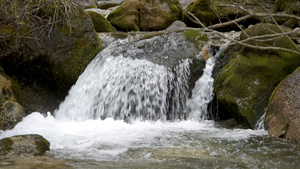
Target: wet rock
column 283, row 113
column 23, row 145
column 101, row 24
column 247, row 81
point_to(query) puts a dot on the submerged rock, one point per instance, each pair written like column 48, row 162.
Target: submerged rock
column 23, row 145
column 246, row 83
column 283, row 113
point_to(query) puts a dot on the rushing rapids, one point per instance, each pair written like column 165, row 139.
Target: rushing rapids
column 91, row 130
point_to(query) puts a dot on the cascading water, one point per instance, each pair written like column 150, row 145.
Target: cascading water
column 128, row 89
column 203, row 91
column 89, row 131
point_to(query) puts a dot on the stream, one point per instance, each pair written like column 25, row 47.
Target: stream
column 131, row 111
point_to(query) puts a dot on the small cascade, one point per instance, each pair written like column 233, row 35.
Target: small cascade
column 202, row 94
column 260, row 124
column 128, row 89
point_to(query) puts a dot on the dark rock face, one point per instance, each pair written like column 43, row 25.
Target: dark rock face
column 23, row 145
column 283, row 113
column 246, row 83
column 48, row 61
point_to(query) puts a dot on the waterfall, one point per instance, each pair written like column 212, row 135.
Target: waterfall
column 126, row 88
column 124, row 83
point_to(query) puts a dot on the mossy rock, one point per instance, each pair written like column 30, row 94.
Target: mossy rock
column 196, row 36
column 145, row 15
column 9, row 88
column 159, row 14
column 24, row 145
column 126, row 16
column 100, row 23
column 246, row 83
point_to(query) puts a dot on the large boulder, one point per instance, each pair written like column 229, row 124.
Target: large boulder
column 101, row 24
column 283, row 113
column 246, row 83
column 23, row 145
column 145, row 15
column 159, row 14
column 48, row 50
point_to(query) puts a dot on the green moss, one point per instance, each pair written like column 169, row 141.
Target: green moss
column 195, row 36
column 5, row 146
column 42, row 146
column 100, row 23
column 174, row 8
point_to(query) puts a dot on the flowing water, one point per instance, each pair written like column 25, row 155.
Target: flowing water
column 129, row 113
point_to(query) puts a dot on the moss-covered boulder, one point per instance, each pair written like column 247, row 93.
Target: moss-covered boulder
column 283, row 113
column 126, row 16
column 145, row 15
column 159, row 14
column 246, row 83
column 10, row 114
column 48, row 49
column 23, row 145
column 101, row 24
